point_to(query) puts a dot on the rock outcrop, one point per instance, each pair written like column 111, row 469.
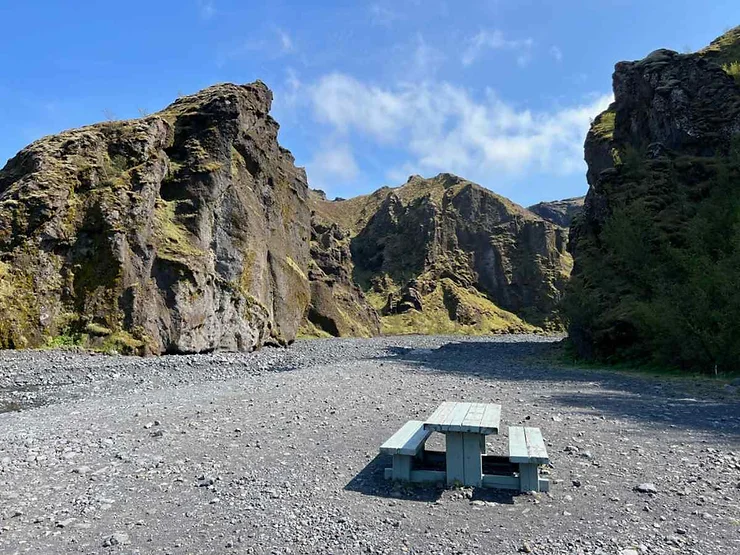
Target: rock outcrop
column 444, row 255
column 338, row 306
column 559, row 212
column 657, row 251
column 184, row 231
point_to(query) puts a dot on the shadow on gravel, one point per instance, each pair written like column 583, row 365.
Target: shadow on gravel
column 371, row 481
column 688, row 403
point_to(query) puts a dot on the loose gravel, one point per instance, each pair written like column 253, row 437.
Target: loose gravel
column 276, row 452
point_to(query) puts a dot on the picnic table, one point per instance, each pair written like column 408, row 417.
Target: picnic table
column 465, row 426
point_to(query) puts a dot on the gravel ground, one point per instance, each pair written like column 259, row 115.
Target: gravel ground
column 276, row 452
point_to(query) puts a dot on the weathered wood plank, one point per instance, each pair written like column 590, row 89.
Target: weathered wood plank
column 402, row 467
column 454, row 420
column 473, row 418
column 529, row 479
column 536, row 446
column 491, row 419
column 472, row 461
column 500, row 482
column 518, row 452
column 455, row 466
column 439, row 415
column 408, row 440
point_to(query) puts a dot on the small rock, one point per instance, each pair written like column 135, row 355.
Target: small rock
column 64, row 523
column 525, row 548
column 646, row 488
column 119, row 538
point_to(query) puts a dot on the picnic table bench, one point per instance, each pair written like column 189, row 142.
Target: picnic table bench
column 465, row 426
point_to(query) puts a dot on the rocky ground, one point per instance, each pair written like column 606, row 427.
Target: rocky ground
column 276, row 452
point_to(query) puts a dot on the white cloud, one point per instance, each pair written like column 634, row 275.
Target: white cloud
column 443, row 127
column 286, row 43
column 556, row 53
column 333, row 162
column 495, row 40
column 207, row 8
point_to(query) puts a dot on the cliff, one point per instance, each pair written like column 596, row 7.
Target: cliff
column 184, row 231
column 444, row 255
column 657, row 250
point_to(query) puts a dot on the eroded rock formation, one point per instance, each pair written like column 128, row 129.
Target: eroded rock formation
column 656, row 250
column 184, row 231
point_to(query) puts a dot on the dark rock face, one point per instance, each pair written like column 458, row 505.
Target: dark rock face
column 559, row 212
column 445, row 255
column 662, row 161
column 185, row 231
column 338, row 306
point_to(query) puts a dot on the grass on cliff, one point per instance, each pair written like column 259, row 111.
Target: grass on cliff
column 733, row 69
column 476, row 315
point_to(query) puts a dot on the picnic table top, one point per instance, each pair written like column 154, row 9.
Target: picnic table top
column 475, row 418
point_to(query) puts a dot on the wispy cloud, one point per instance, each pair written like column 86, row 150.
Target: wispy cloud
column 382, row 15
column 332, row 162
column 206, row 8
column 442, row 127
column 495, row 40
column 556, row 53
column 286, row 43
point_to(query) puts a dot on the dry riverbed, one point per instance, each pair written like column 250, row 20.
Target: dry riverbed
column 276, row 452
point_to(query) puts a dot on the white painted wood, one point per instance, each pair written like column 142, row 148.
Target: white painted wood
column 478, row 418
column 518, row 452
column 474, row 416
column 536, row 446
column 402, row 467
column 500, row 482
column 454, row 465
column 491, row 419
column 529, row 479
column 408, row 440
column 440, row 414
column 472, row 460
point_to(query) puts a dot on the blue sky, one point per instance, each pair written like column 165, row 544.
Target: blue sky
column 366, row 92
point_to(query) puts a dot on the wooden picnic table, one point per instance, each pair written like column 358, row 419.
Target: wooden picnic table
column 465, row 426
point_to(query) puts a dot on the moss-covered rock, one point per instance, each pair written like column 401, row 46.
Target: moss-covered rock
column 184, row 231
column 657, row 255
column 442, row 255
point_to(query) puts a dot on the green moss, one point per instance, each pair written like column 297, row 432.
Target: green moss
column 65, row 340
column 603, row 125
column 18, row 309
column 97, row 329
column 733, row 69
column 174, row 241
column 451, row 309
column 724, row 49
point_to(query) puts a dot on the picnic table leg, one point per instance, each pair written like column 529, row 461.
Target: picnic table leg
column 473, row 447
column 528, row 477
column 463, row 457
column 455, row 467
column 402, row 467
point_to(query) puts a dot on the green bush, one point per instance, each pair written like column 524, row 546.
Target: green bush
column 660, row 283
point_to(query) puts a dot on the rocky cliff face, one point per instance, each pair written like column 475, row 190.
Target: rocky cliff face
column 656, row 251
column 445, row 255
column 559, row 212
column 184, row 231
column 338, row 306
